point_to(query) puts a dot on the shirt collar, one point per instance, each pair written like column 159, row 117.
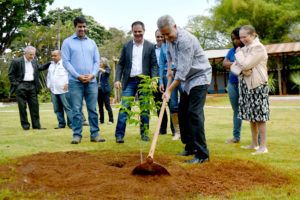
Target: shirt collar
column 59, row 62
column 26, row 61
column 156, row 47
column 136, row 44
column 254, row 42
column 74, row 36
column 178, row 35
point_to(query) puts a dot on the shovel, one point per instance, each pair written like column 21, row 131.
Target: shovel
column 149, row 167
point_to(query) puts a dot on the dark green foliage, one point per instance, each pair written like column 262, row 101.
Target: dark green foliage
column 4, row 80
column 145, row 102
column 202, row 28
column 15, row 14
column 274, row 21
column 111, row 47
column 94, row 29
column 44, row 96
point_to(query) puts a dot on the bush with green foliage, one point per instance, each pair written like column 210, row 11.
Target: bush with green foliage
column 4, row 80
column 44, row 96
column 272, row 83
column 145, row 104
column 295, row 78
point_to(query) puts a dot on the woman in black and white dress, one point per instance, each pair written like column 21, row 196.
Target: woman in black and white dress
column 253, row 87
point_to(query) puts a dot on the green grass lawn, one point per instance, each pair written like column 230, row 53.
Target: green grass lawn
column 283, row 141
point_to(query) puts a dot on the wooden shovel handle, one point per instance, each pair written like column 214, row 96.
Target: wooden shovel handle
column 161, row 114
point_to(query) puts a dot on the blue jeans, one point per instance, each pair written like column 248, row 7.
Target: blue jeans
column 173, row 102
column 233, row 93
column 130, row 91
column 61, row 103
column 89, row 91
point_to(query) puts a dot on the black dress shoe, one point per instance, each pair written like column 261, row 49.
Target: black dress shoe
column 76, row 140
column 197, row 160
column 186, row 153
column 58, row 127
column 119, row 140
column 145, row 138
column 26, row 128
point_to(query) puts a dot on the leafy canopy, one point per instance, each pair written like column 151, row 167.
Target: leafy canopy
column 94, row 30
column 272, row 19
column 17, row 13
column 201, row 27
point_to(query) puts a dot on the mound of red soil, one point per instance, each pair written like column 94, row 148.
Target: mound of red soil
column 108, row 175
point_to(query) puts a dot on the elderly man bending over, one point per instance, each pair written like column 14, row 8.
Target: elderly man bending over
column 194, row 71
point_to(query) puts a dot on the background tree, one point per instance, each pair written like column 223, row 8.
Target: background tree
column 44, row 39
column 294, row 34
column 4, row 81
column 43, row 36
column 201, row 27
column 111, row 47
column 94, row 31
column 15, row 14
column 273, row 20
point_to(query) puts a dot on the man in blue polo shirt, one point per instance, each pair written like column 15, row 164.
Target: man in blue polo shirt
column 81, row 59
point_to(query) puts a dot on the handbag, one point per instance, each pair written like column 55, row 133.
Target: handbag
column 235, row 69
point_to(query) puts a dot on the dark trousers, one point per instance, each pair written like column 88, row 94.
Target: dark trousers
column 191, row 120
column 26, row 94
column 164, row 122
column 104, row 98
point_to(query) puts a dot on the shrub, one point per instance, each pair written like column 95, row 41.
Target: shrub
column 145, row 104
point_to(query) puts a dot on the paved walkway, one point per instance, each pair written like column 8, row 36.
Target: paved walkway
column 284, row 97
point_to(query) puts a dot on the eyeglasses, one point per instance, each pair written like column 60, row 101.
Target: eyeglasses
column 244, row 37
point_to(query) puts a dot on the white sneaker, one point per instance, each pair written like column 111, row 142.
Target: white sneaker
column 260, row 152
column 109, row 123
column 176, row 136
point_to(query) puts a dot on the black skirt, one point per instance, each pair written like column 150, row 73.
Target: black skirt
column 254, row 103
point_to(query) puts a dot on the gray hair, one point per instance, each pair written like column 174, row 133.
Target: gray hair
column 29, row 48
column 250, row 29
column 105, row 62
column 165, row 20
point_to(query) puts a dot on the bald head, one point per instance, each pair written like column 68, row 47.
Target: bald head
column 56, row 56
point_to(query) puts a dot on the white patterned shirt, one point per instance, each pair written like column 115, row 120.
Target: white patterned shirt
column 192, row 65
column 57, row 78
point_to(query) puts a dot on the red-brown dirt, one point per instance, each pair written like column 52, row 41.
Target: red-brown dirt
column 107, row 175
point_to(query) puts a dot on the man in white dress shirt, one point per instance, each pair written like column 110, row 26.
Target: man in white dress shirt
column 23, row 74
column 137, row 58
column 57, row 82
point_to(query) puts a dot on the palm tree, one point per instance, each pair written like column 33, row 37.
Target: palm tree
column 295, row 78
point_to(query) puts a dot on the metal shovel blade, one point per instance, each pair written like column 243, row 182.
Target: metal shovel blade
column 150, row 168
